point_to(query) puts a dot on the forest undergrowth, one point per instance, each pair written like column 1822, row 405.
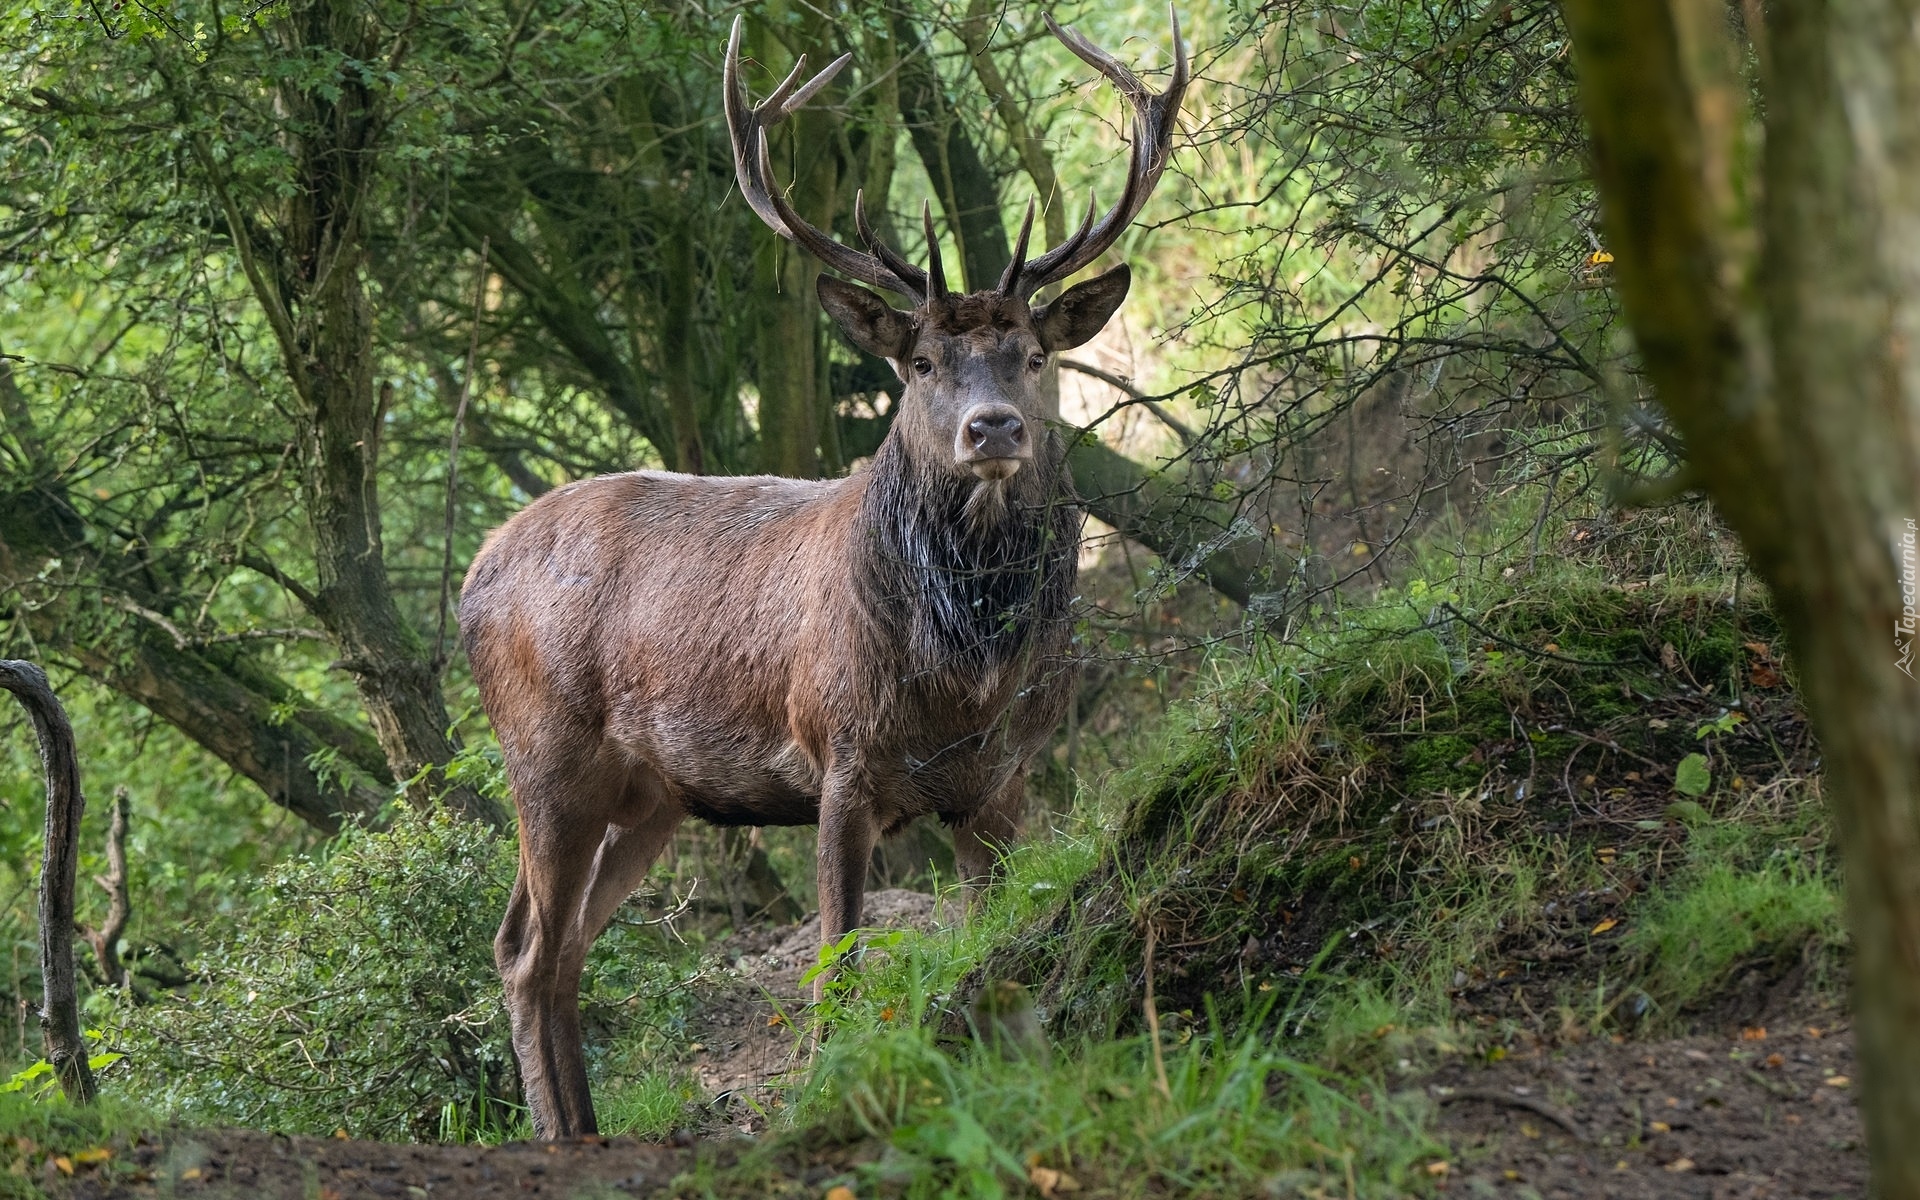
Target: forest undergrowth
column 1557, row 794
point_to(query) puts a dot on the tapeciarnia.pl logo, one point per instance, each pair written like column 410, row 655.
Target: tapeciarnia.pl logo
column 1904, row 628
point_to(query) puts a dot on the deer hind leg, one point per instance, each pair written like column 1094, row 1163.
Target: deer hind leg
column 577, row 848
column 980, row 840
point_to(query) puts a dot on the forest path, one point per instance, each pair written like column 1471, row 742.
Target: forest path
column 1748, row 1114
column 751, row 1031
column 1713, row 1117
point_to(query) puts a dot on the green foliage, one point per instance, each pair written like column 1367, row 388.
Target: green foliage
column 37, row 1080
column 355, row 991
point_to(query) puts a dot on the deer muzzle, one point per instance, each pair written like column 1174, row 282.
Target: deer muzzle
column 994, row 441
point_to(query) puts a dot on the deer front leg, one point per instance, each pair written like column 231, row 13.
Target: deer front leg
column 847, row 835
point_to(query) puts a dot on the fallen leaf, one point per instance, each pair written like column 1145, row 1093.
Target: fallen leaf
column 1049, row 1181
column 1599, row 258
column 1759, row 648
column 1383, row 1031
column 886, row 1014
column 1775, row 1060
column 1511, row 1175
column 1606, row 854
column 1669, row 657
column 1755, row 1033
column 1658, row 723
column 1814, row 1031
column 1353, row 863
column 340, row 1134
column 328, row 1193
column 1528, row 1130
column 1605, row 925
column 1838, row 1081
column 1552, row 647
column 190, row 1173
column 1762, row 675
column 840, row 1192
column 98, row 1154
column 776, row 1019
column 1659, row 1127
column 65, row 1164
column 1439, row 1168
column 1680, row 1164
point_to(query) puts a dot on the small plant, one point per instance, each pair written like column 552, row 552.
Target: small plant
column 38, row 1081
column 356, row 991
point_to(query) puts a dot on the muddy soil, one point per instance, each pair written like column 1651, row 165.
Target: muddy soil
column 1759, row 1113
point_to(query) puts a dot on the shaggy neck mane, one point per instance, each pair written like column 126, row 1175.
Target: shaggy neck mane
column 968, row 571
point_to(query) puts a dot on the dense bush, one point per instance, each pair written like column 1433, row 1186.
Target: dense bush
column 355, row 991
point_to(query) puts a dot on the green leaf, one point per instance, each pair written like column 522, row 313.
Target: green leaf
column 1693, row 776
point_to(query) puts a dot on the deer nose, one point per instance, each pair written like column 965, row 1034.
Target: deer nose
column 993, row 431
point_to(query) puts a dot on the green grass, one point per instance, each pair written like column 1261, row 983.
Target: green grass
column 649, row 1107
column 1213, row 1115
column 35, row 1132
column 1755, row 891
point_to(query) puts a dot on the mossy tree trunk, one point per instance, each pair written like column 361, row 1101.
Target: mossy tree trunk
column 306, row 261
column 1778, row 315
column 60, row 860
column 790, row 355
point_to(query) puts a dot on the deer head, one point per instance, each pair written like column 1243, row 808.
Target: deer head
column 971, row 363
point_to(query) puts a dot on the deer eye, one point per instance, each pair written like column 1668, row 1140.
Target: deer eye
column 1036, row 362
column 922, row 366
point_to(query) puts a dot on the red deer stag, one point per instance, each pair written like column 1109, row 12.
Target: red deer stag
column 855, row 652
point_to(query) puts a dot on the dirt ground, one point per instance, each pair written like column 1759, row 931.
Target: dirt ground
column 746, row 1043
column 1754, row 1114
column 1763, row 1113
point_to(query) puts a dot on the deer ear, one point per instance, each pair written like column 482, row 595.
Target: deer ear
column 1082, row 310
column 874, row 325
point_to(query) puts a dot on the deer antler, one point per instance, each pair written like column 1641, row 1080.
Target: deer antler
column 1154, row 120
column 748, row 127
column 1155, row 117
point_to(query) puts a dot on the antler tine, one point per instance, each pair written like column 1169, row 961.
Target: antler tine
column 747, row 126
column 1010, row 278
column 936, row 270
column 906, row 271
column 1155, row 117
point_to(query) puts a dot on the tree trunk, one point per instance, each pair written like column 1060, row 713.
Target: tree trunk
column 963, row 185
column 60, row 857
column 106, row 939
column 788, row 360
column 1783, row 350
column 326, row 332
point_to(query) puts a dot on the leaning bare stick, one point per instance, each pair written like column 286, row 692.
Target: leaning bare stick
column 60, row 1012
column 856, row 653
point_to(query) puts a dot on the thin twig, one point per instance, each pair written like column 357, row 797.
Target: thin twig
column 1153, row 1021
column 1540, row 1108
column 453, row 460
column 1115, row 381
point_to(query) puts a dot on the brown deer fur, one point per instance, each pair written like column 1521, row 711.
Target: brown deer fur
column 855, row 652
column 757, row 651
